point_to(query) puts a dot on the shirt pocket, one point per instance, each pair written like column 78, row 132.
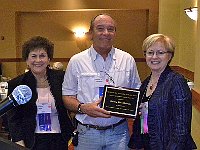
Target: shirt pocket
column 86, row 84
column 122, row 78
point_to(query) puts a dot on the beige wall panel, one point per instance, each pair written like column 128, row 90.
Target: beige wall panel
column 8, row 43
column 7, row 31
column 175, row 23
column 31, row 5
column 143, row 70
column 132, row 28
column 169, row 23
column 197, row 58
column 188, row 40
column 136, row 19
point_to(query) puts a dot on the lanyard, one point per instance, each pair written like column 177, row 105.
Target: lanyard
column 103, row 71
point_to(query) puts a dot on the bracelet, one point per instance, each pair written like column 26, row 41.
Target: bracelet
column 79, row 108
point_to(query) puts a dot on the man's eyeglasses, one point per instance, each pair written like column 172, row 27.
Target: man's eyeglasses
column 158, row 53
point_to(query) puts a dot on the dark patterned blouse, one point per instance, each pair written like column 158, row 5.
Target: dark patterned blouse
column 169, row 115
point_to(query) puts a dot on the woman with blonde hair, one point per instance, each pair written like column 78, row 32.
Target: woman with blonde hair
column 166, row 102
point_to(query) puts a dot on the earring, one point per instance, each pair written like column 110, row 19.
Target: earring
column 27, row 67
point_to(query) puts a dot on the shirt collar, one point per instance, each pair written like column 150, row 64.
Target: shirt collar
column 94, row 54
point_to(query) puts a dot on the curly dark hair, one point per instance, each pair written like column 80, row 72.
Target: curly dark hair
column 35, row 43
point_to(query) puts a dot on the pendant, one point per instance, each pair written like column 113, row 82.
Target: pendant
column 151, row 87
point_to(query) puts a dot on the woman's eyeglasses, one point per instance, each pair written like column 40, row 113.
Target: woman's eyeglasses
column 158, row 53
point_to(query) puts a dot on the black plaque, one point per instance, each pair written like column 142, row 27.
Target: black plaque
column 119, row 101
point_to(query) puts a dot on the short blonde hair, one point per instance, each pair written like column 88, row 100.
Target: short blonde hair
column 168, row 42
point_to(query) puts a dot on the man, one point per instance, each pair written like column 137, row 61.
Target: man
column 85, row 77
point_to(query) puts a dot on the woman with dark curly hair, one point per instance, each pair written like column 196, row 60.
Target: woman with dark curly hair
column 43, row 122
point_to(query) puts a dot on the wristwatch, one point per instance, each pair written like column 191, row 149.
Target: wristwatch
column 79, row 108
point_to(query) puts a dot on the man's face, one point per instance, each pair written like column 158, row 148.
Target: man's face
column 103, row 33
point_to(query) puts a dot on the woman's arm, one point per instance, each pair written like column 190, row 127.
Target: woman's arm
column 182, row 112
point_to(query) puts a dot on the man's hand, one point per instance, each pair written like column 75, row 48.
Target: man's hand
column 93, row 110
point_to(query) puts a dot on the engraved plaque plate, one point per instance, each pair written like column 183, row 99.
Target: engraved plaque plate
column 119, row 101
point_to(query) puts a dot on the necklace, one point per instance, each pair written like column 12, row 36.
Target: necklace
column 152, row 85
column 144, row 97
column 42, row 83
column 41, row 79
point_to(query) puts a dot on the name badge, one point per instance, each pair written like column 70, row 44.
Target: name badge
column 44, row 121
column 43, row 108
column 144, row 117
column 99, row 82
column 101, row 89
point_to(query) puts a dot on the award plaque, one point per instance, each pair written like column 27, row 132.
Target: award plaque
column 119, row 101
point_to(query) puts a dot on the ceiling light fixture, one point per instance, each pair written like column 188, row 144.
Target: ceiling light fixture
column 192, row 12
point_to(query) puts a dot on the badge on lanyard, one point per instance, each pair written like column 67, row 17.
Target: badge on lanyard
column 101, row 91
column 98, row 81
column 144, row 117
column 44, row 116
